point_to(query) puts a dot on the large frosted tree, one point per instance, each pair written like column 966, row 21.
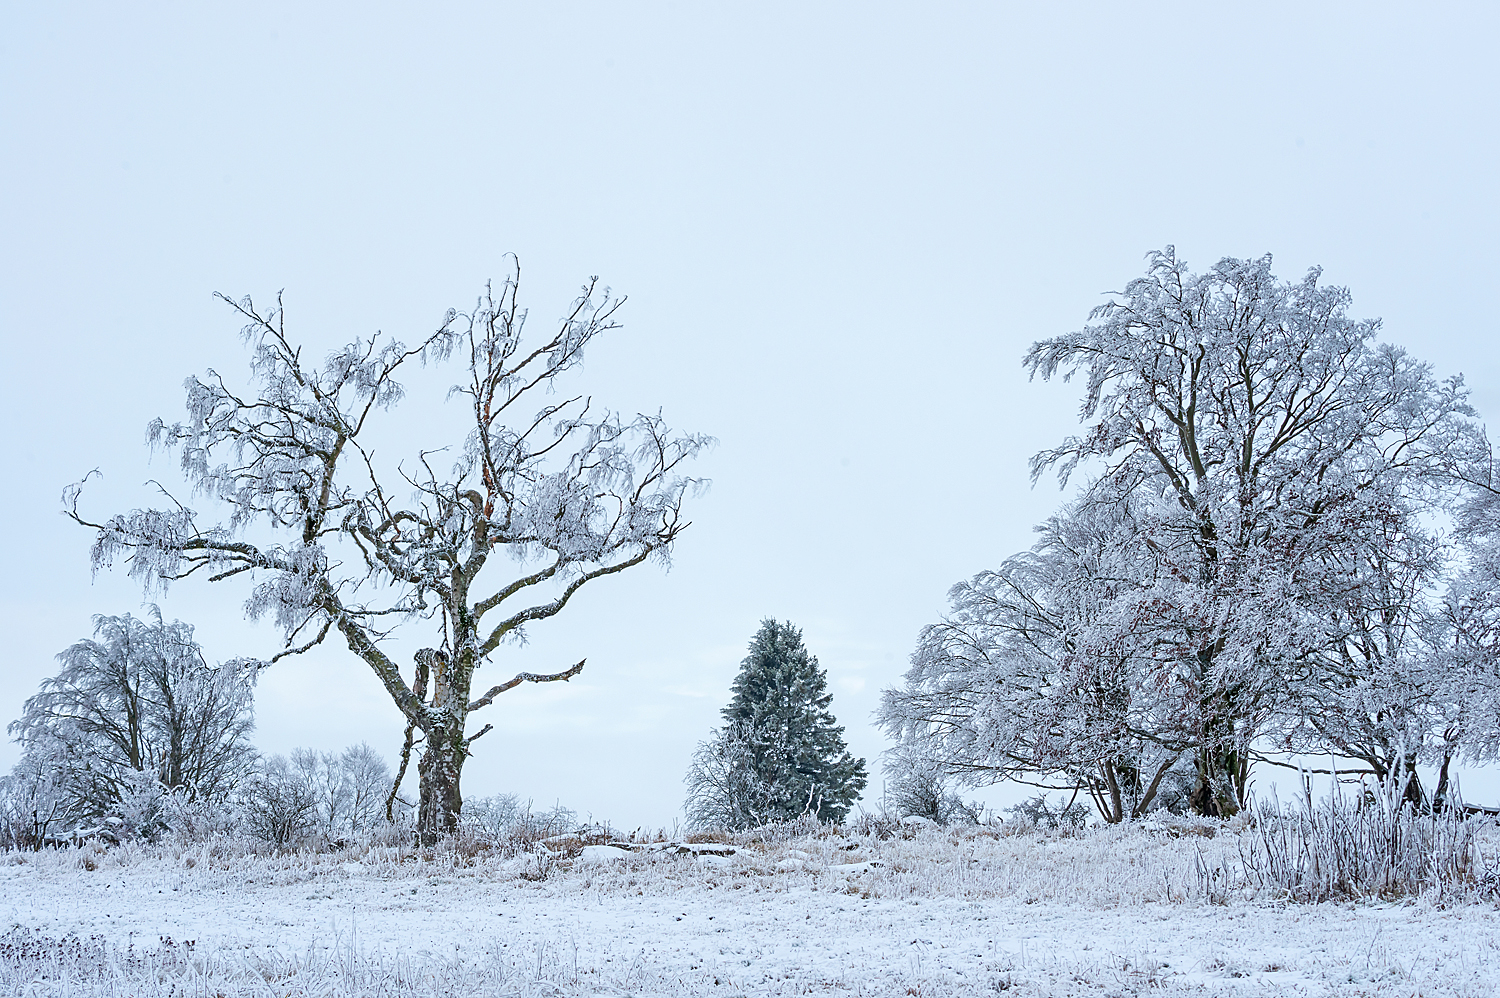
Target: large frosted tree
column 138, row 703
column 1277, row 460
column 780, row 754
column 537, row 494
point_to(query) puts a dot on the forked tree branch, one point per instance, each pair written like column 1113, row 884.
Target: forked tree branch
column 551, row 609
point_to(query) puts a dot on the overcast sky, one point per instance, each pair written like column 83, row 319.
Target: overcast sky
column 839, row 226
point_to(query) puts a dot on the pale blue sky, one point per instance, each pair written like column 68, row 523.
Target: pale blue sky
column 839, row 226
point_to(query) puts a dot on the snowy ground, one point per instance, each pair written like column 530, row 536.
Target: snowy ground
column 1114, row 912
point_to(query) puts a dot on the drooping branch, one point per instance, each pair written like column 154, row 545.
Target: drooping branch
column 406, row 746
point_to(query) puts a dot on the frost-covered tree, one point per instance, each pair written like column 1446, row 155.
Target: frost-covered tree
column 542, row 494
column 1274, row 423
column 1030, row 677
column 1261, row 437
column 139, row 700
column 780, row 754
column 35, row 801
column 1470, row 621
column 725, row 785
column 1471, row 666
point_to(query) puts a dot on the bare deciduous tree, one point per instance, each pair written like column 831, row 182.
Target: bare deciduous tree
column 350, row 787
column 338, row 541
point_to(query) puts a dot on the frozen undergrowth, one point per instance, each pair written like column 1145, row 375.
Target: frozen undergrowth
column 1108, row 866
column 1172, row 861
column 923, row 911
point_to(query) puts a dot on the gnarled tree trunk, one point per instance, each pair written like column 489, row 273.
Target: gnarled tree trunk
column 439, row 770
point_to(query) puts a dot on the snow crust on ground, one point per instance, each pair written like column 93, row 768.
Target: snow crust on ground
column 1112, row 912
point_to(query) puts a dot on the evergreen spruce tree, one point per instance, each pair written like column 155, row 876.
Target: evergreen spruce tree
column 780, row 754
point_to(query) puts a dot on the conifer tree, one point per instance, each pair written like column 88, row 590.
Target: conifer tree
column 780, row 754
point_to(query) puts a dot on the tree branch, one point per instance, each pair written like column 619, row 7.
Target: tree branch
column 555, row 607
column 524, row 677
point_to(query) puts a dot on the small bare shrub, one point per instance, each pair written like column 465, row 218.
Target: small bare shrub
column 917, row 786
column 540, row 864
column 279, row 806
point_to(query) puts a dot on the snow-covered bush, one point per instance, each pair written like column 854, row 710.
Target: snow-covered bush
column 31, row 804
column 1065, row 816
column 514, row 826
column 141, row 812
column 505, row 814
column 132, row 713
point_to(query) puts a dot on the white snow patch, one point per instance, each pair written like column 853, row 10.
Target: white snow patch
column 938, row 913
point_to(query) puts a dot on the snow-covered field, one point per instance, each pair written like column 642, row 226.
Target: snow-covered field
column 1115, row 911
